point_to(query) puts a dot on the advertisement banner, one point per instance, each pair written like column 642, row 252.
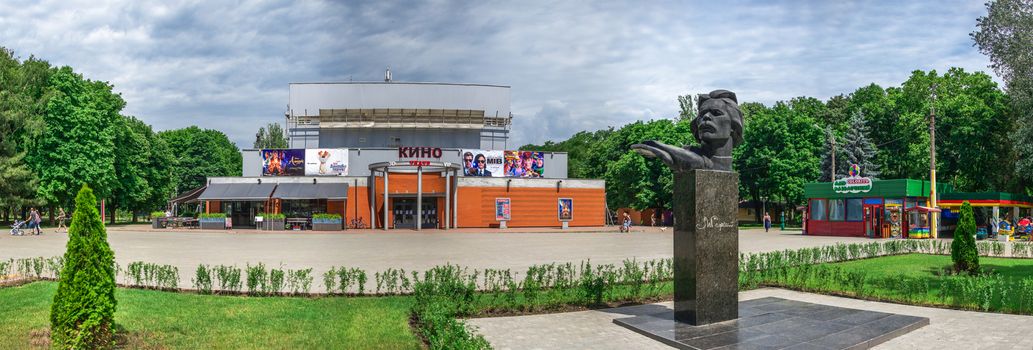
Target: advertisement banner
column 566, row 209
column 477, row 162
column 283, row 162
column 326, row 162
column 525, row 164
column 502, row 209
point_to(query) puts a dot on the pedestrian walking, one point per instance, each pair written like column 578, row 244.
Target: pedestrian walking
column 61, row 216
column 767, row 222
column 34, row 221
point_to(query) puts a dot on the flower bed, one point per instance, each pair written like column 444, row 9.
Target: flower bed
column 327, row 222
column 213, row 221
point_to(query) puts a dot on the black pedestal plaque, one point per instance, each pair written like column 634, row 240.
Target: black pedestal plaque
column 706, row 246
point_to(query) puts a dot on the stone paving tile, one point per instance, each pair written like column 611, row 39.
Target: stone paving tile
column 948, row 329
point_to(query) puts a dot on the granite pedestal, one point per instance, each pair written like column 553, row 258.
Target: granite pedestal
column 706, row 246
column 776, row 323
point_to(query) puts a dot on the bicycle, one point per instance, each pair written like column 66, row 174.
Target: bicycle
column 357, row 223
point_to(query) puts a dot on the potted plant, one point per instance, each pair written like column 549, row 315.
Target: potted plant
column 158, row 220
column 326, row 222
column 212, row 221
column 272, row 221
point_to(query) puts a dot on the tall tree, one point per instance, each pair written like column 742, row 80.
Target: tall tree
column 270, row 136
column 858, row 148
column 159, row 170
column 687, row 106
column 1005, row 34
column 634, row 181
column 77, row 145
column 23, row 98
column 201, row 153
column 828, row 146
column 131, row 160
column 780, row 152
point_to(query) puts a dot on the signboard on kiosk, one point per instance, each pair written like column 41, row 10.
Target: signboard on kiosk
column 853, row 183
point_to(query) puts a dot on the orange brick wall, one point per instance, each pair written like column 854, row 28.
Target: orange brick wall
column 531, row 207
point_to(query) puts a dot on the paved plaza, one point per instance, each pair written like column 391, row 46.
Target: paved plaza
column 378, row 250
column 948, row 329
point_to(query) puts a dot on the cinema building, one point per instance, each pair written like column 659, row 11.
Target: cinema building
column 404, row 155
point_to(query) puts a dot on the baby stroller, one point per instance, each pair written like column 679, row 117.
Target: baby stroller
column 16, row 228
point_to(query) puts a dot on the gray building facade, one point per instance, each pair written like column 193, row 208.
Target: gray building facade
column 398, row 114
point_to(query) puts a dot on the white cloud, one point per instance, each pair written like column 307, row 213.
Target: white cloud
column 572, row 66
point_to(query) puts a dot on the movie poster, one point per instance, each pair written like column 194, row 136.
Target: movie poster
column 326, row 162
column 502, row 209
column 525, row 164
column 485, row 163
column 566, row 209
column 283, row 162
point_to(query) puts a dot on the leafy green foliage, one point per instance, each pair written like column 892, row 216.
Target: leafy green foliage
column 77, row 145
column 270, row 136
column 200, row 153
column 23, row 97
column 83, row 313
column 780, row 151
column 1004, row 35
column 963, row 248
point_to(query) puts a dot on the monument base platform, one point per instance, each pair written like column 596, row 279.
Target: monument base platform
column 776, row 323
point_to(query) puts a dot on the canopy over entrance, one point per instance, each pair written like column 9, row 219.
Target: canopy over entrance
column 238, row 192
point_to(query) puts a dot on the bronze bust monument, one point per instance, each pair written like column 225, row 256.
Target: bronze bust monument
column 718, row 129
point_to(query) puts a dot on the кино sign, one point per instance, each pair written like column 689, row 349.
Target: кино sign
column 419, row 152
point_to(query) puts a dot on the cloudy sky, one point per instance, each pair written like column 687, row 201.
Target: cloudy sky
column 572, row 65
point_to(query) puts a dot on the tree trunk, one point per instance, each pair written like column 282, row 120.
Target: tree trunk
column 114, row 210
column 51, row 215
column 134, row 216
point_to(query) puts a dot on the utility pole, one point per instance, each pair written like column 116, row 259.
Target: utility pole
column 932, row 163
column 832, row 140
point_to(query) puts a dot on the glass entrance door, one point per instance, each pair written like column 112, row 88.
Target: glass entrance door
column 873, row 221
column 405, row 212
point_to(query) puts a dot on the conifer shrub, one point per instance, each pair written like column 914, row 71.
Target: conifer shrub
column 83, row 313
column 963, row 249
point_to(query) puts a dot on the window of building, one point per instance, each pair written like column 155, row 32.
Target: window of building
column 817, row 209
column 854, row 209
column 837, row 210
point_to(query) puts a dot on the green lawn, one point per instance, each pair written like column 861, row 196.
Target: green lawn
column 167, row 320
column 1005, row 285
column 924, row 265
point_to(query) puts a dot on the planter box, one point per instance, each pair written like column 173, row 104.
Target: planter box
column 158, row 223
column 272, row 225
column 213, row 223
column 327, row 225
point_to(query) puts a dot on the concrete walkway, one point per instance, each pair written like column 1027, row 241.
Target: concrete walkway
column 377, row 250
column 948, row 329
